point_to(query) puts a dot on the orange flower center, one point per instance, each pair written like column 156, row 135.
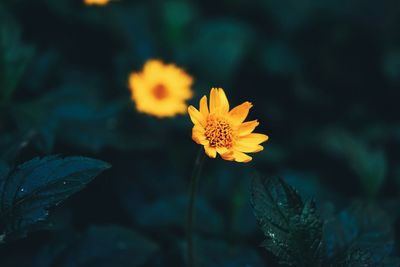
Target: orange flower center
column 160, row 91
column 219, row 133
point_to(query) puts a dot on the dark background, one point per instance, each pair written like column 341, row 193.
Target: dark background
column 323, row 76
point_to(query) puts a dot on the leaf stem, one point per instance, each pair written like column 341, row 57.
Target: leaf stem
column 194, row 180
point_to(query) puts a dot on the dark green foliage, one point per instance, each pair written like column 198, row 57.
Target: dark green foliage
column 76, row 115
column 171, row 212
column 31, row 189
column 105, row 246
column 323, row 76
column 358, row 236
column 368, row 164
column 292, row 228
column 218, row 253
column 14, row 57
column 73, row 114
column 233, row 39
column 100, row 245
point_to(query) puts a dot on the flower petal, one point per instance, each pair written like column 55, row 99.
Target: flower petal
column 248, row 148
column 224, row 103
column 241, row 157
column 198, row 135
column 214, row 100
column 247, row 128
column 204, row 106
column 253, row 138
column 239, row 113
column 196, row 116
column 210, row 151
column 222, row 150
column 228, row 156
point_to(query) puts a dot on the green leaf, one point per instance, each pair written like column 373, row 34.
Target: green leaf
column 29, row 191
column 292, row 228
column 76, row 115
column 177, row 15
column 232, row 41
column 14, row 58
column 369, row 164
column 109, row 246
column 45, row 115
column 360, row 236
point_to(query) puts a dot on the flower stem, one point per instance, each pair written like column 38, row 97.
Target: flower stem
column 194, row 180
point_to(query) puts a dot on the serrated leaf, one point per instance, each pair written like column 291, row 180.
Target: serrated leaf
column 292, row 228
column 359, row 236
column 27, row 193
column 109, row 246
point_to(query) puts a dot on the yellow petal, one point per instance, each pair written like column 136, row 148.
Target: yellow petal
column 196, row 116
column 97, row 2
column 239, row 113
column 228, row 156
column 253, row 138
column 210, row 151
column 198, row 135
column 153, row 66
column 241, row 157
column 204, row 106
column 199, row 129
column 222, row 150
column 247, row 128
column 224, row 103
column 214, row 100
column 248, row 148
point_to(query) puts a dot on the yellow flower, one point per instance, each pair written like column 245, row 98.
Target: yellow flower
column 97, row 2
column 224, row 131
column 161, row 89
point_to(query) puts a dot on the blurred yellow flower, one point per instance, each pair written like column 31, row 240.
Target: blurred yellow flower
column 97, row 2
column 161, row 89
column 224, row 131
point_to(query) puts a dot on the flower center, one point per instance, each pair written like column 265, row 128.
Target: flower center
column 160, row 91
column 219, row 133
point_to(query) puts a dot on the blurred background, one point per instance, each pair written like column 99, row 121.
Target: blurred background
column 323, row 76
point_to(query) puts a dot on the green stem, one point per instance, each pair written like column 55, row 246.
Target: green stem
column 194, row 180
